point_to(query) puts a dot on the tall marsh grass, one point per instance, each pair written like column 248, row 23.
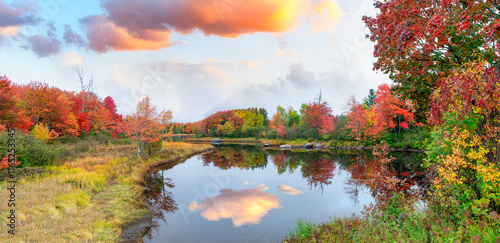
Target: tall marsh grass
column 89, row 198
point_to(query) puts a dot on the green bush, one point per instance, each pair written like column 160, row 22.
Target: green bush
column 31, row 152
column 271, row 134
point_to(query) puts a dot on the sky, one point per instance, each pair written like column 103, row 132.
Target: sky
column 194, row 57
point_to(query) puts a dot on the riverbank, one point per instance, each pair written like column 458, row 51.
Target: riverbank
column 299, row 143
column 96, row 196
column 400, row 222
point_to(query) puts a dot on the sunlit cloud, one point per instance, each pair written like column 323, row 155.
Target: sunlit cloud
column 289, row 190
column 104, row 35
column 325, row 16
column 148, row 24
column 9, row 30
column 242, row 207
column 286, row 53
column 252, row 64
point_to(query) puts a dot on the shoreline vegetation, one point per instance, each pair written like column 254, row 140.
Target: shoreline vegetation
column 298, row 144
column 92, row 192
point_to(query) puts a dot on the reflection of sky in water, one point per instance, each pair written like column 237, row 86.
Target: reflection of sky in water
column 246, row 206
column 289, row 190
column 271, row 213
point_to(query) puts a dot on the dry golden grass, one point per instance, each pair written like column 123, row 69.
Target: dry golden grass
column 88, row 199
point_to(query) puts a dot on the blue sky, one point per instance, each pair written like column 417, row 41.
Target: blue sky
column 253, row 53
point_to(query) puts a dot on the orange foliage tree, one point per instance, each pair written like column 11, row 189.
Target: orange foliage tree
column 314, row 113
column 390, row 112
column 356, row 117
column 49, row 105
column 10, row 114
column 146, row 124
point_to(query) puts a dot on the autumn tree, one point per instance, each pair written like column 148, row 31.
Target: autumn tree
column 213, row 123
column 115, row 126
column 279, row 119
column 146, row 124
column 390, row 112
column 251, row 118
column 328, row 124
column 10, row 114
column 49, row 105
column 293, row 117
column 165, row 120
column 465, row 152
column 418, row 42
column 356, row 117
column 313, row 114
column 42, row 132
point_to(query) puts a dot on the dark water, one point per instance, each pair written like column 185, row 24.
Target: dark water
column 247, row 194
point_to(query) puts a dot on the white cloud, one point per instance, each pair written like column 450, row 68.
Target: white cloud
column 289, row 190
column 69, row 59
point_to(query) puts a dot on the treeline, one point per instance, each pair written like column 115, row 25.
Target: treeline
column 382, row 115
column 48, row 112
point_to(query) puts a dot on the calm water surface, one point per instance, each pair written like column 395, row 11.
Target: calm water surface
column 247, row 194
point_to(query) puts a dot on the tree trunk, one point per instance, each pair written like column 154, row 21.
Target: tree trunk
column 138, row 149
column 161, row 140
column 142, row 148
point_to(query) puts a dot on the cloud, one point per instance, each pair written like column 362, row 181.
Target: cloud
column 16, row 15
column 325, row 16
column 10, row 30
column 299, row 76
column 286, row 53
column 147, row 25
column 243, row 207
column 45, row 45
column 69, row 59
column 104, row 35
column 72, row 38
column 289, row 190
column 175, row 85
column 13, row 17
column 253, row 64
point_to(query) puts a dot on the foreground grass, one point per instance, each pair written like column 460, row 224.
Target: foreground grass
column 402, row 224
column 87, row 199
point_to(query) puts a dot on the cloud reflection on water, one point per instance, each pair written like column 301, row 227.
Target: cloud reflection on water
column 289, row 190
column 242, row 206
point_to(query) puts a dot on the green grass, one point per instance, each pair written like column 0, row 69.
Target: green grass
column 303, row 230
column 399, row 222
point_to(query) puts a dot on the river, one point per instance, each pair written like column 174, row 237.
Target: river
column 249, row 194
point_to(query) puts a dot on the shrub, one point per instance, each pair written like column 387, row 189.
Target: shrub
column 31, row 151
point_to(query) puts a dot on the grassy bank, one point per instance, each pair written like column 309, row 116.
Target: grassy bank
column 399, row 222
column 90, row 197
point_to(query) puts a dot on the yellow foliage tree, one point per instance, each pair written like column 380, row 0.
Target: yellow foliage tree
column 41, row 132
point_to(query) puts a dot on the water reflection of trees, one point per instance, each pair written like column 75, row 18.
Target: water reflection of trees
column 384, row 175
column 400, row 174
column 316, row 167
column 159, row 200
column 228, row 157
